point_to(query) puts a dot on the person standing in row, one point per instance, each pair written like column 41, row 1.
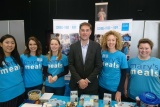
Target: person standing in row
column 11, row 83
column 85, row 62
column 143, row 73
column 112, row 76
column 57, row 69
column 34, row 63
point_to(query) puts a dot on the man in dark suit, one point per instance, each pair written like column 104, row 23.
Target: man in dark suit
column 85, row 62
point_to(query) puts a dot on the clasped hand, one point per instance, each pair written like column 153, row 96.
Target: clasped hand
column 83, row 83
column 52, row 79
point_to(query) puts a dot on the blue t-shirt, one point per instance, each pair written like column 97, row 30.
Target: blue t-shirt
column 55, row 67
column 144, row 76
column 110, row 75
column 32, row 70
column 11, row 83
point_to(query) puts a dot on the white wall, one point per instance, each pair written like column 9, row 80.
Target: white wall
column 151, row 31
column 3, row 27
column 145, row 29
column 137, row 33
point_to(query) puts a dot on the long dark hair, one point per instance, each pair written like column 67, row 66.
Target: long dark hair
column 14, row 54
column 39, row 47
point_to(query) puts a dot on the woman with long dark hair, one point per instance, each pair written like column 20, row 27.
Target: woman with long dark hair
column 34, row 63
column 11, row 83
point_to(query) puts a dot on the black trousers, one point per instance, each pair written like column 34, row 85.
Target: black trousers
column 102, row 91
column 16, row 102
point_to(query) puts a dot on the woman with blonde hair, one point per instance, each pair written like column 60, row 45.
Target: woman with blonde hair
column 57, row 68
column 112, row 76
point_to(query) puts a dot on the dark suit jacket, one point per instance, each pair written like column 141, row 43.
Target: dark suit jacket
column 89, row 70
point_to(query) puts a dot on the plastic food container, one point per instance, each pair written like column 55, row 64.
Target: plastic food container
column 149, row 99
column 34, row 94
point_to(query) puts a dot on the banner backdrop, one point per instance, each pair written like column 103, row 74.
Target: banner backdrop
column 121, row 26
column 124, row 27
column 67, row 31
column 66, row 26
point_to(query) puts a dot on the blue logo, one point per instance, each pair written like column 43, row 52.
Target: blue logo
column 125, row 26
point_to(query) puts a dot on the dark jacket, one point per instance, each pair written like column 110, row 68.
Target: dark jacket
column 89, row 70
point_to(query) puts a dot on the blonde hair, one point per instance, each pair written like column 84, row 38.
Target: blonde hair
column 118, row 45
column 59, row 56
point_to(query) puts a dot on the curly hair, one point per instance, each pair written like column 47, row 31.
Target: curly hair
column 39, row 47
column 118, row 40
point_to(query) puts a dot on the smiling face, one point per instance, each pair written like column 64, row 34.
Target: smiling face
column 32, row 46
column 8, row 45
column 144, row 50
column 85, row 32
column 54, row 45
column 111, row 42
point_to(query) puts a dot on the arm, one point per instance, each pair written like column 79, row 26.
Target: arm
column 66, row 70
column 71, row 61
column 45, row 71
column 97, row 64
column 126, row 85
column 121, row 85
column 122, row 80
column 54, row 78
column 45, row 66
column 46, row 74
